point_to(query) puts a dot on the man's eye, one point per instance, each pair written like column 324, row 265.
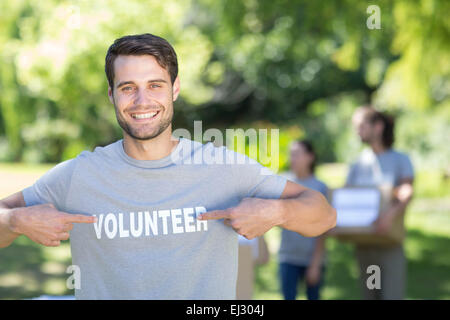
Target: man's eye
column 155, row 86
column 127, row 88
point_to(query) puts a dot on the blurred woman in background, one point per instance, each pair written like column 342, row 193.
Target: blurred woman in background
column 302, row 259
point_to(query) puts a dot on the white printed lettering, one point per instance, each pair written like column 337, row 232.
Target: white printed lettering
column 142, row 223
column 200, row 223
column 136, row 232
column 110, row 233
column 122, row 232
column 164, row 214
column 176, row 221
column 188, row 219
column 151, row 223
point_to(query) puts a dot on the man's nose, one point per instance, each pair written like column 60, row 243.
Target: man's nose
column 142, row 98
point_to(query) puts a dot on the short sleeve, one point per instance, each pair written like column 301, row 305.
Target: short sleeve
column 323, row 189
column 52, row 187
column 257, row 181
column 406, row 168
column 351, row 175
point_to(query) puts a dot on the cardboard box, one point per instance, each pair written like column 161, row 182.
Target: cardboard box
column 357, row 208
column 244, row 288
column 251, row 252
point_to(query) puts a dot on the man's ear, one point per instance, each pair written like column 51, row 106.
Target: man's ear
column 176, row 88
column 110, row 95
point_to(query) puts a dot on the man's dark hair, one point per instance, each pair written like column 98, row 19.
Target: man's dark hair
column 387, row 136
column 142, row 44
column 310, row 149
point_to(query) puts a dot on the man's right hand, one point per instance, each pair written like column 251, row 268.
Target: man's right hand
column 44, row 224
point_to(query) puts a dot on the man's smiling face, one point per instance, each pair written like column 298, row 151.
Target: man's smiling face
column 143, row 96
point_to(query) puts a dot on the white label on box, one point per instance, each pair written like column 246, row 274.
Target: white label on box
column 356, row 207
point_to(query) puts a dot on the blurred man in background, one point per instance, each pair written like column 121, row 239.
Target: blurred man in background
column 381, row 165
column 302, row 258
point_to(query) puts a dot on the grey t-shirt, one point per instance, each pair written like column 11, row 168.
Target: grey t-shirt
column 387, row 168
column 147, row 242
column 295, row 248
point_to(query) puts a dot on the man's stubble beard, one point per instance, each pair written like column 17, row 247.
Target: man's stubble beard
column 163, row 124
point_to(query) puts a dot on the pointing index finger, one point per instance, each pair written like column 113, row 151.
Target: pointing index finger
column 215, row 215
column 79, row 218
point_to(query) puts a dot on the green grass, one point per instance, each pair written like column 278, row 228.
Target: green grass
column 28, row 270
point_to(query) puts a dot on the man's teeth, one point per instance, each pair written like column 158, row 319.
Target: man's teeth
column 144, row 116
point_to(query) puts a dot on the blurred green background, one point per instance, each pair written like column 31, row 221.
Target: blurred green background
column 299, row 66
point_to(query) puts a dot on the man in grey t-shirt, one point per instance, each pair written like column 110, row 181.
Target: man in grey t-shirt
column 147, row 219
column 381, row 165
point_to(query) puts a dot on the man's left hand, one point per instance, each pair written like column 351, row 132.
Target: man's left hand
column 251, row 218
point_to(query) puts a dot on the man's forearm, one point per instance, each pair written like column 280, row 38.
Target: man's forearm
column 402, row 198
column 397, row 209
column 308, row 214
column 299, row 209
column 403, row 195
column 7, row 236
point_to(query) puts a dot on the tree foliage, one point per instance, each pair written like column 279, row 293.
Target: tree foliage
column 291, row 63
